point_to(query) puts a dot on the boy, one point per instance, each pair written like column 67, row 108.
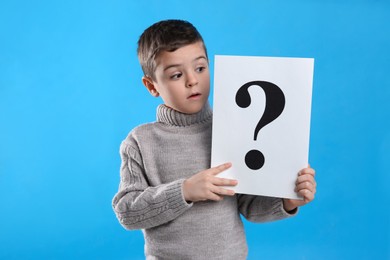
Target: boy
column 167, row 187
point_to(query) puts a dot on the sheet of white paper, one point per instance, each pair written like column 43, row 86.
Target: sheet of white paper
column 284, row 142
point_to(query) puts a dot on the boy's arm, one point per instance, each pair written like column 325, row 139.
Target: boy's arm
column 262, row 209
column 139, row 206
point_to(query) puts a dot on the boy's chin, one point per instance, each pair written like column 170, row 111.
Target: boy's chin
column 191, row 109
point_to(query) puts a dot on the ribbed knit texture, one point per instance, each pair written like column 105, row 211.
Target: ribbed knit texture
column 156, row 159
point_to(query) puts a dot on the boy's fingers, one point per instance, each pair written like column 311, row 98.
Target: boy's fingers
column 307, row 195
column 224, row 182
column 220, row 168
column 222, row 191
column 306, row 186
column 310, row 171
column 306, row 178
column 214, row 196
column 306, row 182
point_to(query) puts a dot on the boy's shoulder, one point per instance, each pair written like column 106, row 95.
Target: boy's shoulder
column 141, row 129
column 139, row 132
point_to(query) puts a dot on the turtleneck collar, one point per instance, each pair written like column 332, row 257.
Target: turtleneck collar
column 172, row 117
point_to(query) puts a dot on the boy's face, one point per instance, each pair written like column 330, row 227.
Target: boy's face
column 182, row 78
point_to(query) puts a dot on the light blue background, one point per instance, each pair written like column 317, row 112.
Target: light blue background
column 70, row 90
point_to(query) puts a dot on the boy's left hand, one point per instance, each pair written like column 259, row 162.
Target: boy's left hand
column 305, row 187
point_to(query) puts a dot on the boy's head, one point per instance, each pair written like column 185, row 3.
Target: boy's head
column 175, row 64
column 167, row 35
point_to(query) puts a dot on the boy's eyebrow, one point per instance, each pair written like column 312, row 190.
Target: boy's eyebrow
column 200, row 57
column 171, row 66
column 177, row 65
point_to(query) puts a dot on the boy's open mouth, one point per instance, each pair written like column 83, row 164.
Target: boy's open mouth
column 195, row 95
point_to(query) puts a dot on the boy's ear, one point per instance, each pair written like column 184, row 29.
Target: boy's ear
column 149, row 84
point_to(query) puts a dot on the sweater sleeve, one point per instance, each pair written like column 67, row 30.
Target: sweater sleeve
column 138, row 205
column 262, row 209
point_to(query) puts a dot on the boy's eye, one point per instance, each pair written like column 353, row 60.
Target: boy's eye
column 176, row 76
column 200, row 69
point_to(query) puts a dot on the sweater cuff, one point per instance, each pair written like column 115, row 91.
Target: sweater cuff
column 175, row 197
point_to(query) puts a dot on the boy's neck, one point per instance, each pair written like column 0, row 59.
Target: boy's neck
column 173, row 117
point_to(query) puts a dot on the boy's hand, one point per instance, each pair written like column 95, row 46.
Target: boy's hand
column 305, row 187
column 206, row 186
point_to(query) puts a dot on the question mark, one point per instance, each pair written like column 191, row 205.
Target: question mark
column 274, row 105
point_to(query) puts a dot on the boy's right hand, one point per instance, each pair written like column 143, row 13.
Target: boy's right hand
column 206, row 186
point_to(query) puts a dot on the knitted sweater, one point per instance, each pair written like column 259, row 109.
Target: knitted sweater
column 156, row 159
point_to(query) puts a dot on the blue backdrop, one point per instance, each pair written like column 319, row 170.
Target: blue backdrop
column 70, row 90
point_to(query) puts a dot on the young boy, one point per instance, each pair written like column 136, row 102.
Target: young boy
column 167, row 187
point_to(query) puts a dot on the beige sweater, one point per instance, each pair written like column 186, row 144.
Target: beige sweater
column 156, row 158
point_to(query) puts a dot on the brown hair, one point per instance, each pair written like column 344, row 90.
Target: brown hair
column 167, row 35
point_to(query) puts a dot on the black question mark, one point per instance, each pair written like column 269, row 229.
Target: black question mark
column 274, row 105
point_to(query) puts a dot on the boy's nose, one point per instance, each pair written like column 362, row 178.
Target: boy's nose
column 192, row 80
